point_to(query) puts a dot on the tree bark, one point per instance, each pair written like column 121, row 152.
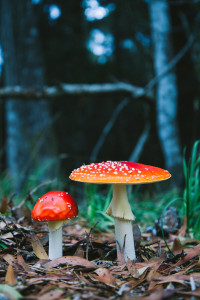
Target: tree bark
column 29, row 140
column 167, row 92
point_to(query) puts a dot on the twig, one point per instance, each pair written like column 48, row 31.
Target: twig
column 41, row 185
column 32, row 192
column 107, row 129
column 172, row 63
column 49, row 92
column 192, row 283
column 140, row 144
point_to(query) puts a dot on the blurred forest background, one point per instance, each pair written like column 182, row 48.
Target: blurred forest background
column 94, row 80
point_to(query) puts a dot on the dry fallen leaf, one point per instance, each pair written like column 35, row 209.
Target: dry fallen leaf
column 49, row 287
column 102, row 278
column 9, row 259
column 182, row 231
column 155, row 263
column 79, row 252
column 177, row 247
column 142, row 271
column 104, row 275
column 10, row 276
column 70, row 260
column 4, row 205
column 38, row 248
column 178, row 278
column 190, row 294
column 132, row 268
column 120, row 257
column 22, row 263
column 191, row 253
column 36, row 281
column 157, row 294
column 52, row 295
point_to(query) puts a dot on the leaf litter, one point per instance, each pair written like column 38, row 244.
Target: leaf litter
column 90, row 267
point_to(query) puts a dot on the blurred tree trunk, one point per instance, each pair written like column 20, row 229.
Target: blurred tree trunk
column 167, row 92
column 29, row 141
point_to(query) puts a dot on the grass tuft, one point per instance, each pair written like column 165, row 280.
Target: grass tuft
column 191, row 195
column 95, row 206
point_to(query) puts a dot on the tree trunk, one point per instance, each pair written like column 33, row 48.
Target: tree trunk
column 29, row 141
column 167, row 92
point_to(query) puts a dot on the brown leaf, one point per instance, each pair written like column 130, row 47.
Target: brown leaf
column 132, row 268
column 105, row 276
column 120, row 257
column 152, row 283
column 143, row 264
column 52, row 295
column 178, row 278
column 120, row 271
column 177, row 247
column 34, row 281
column 135, row 282
column 81, row 277
column 4, row 205
column 10, row 259
column 156, row 295
column 38, row 248
column 191, row 253
column 10, row 276
column 22, row 263
column 79, row 252
column 195, row 293
column 70, row 260
column 142, row 271
column 40, row 263
column 182, row 230
column 46, row 289
column 155, row 263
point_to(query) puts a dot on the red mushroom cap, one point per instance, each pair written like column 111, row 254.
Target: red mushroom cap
column 119, row 172
column 55, row 206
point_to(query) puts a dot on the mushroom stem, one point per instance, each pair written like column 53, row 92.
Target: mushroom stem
column 119, row 206
column 55, row 239
column 120, row 209
column 124, row 238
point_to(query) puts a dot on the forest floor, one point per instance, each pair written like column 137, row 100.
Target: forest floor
column 90, row 268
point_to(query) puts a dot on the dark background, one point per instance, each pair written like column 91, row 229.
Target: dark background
column 61, row 53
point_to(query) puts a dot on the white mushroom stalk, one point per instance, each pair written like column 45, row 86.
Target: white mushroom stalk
column 120, row 209
column 55, row 239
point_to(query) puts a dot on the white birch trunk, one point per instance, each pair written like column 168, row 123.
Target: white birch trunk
column 167, row 92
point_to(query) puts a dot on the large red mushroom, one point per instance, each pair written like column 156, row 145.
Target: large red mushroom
column 119, row 174
column 56, row 208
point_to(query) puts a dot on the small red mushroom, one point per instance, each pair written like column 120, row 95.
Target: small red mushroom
column 119, row 174
column 56, row 208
